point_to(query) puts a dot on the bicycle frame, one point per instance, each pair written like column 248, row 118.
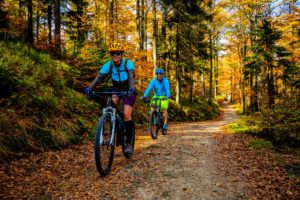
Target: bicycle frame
column 156, row 123
column 111, row 110
column 155, row 107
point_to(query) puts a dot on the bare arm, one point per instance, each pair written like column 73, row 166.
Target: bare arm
column 131, row 79
column 98, row 79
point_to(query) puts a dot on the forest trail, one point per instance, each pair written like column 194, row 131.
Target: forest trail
column 188, row 163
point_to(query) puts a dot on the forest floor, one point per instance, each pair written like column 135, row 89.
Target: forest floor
column 198, row 160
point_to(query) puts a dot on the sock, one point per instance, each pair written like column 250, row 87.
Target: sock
column 128, row 127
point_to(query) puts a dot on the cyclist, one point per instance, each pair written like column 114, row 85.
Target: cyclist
column 121, row 72
column 161, row 87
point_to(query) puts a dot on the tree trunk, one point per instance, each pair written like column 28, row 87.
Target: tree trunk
column 271, row 89
column 210, row 97
column 177, row 65
column 142, row 24
column 154, row 36
column 29, row 38
column 111, row 20
column 57, row 23
column 3, row 21
column 216, row 67
column 191, row 86
column 37, row 23
column 202, row 84
column 138, row 22
column 49, row 17
column 80, row 31
column 145, row 26
column 164, row 38
column 242, row 56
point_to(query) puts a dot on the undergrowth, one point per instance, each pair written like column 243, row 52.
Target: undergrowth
column 40, row 111
column 280, row 126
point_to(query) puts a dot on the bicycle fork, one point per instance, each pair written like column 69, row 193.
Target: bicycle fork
column 112, row 112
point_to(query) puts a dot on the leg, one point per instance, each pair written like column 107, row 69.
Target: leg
column 128, row 122
column 165, row 113
column 164, row 107
column 127, row 114
column 115, row 99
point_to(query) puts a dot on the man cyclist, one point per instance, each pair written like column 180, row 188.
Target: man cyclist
column 161, row 87
column 121, row 72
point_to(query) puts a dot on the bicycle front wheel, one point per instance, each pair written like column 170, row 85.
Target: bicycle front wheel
column 153, row 125
column 104, row 149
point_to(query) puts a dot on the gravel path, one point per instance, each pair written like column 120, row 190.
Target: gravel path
column 181, row 165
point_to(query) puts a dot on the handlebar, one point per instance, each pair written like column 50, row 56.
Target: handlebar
column 107, row 93
column 147, row 100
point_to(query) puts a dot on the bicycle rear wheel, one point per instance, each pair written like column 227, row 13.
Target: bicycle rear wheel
column 104, row 151
column 153, row 125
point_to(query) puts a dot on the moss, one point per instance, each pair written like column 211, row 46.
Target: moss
column 260, row 144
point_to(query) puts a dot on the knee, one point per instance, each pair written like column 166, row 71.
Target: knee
column 127, row 116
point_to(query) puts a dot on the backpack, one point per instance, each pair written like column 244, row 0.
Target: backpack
column 125, row 66
column 111, row 66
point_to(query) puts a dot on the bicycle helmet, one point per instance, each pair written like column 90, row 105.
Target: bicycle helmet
column 159, row 71
column 116, row 47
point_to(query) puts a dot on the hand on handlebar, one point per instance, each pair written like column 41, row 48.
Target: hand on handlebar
column 88, row 91
column 131, row 92
column 143, row 98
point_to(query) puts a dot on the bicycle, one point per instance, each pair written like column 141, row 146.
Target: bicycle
column 156, row 118
column 110, row 131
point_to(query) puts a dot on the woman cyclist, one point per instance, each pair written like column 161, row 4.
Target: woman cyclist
column 121, row 71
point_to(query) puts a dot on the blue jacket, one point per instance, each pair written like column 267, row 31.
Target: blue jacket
column 161, row 88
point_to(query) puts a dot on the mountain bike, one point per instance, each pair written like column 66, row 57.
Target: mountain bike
column 110, row 131
column 156, row 118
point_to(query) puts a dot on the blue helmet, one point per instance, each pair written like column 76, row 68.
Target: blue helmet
column 159, row 71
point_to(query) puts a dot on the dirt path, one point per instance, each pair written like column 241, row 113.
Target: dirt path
column 181, row 165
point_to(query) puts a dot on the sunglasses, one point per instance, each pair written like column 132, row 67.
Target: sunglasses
column 117, row 53
column 158, row 73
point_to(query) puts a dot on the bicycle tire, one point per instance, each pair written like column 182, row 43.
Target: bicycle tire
column 104, row 153
column 153, row 125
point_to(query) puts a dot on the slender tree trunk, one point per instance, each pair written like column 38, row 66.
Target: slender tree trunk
column 49, row 17
column 3, row 21
column 164, row 38
column 251, row 72
column 138, row 21
column 177, row 65
column 242, row 55
column 142, row 24
column 37, row 23
column 145, row 26
column 111, row 20
column 216, row 68
column 254, row 75
column 29, row 38
column 231, row 87
column 271, row 89
column 191, row 86
column 154, row 36
column 211, row 70
column 80, row 31
column 98, row 20
column 57, row 24
column 202, row 84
